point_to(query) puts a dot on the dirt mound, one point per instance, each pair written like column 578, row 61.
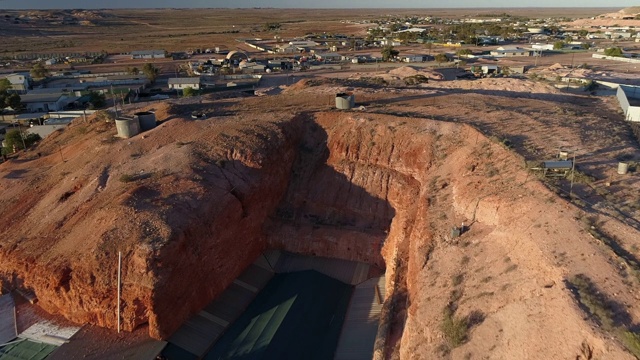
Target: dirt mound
column 633, row 10
column 555, row 66
column 299, row 85
column 408, row 71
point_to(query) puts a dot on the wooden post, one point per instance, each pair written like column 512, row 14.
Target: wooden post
column 119, row 274
column 573, row 167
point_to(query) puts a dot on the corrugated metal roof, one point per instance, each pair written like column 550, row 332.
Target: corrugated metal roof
column 7, row 319
column 191, row 80
column 31, row 98
column 557, row 164
column 148, row 52
column 361, row 323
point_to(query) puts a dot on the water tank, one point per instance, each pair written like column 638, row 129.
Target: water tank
column 146, row 119
column 623, row 168
column 127, row 127
column 345, row 101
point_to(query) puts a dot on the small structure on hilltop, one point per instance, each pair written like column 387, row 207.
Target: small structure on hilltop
column 629, row 100
column 555, row 168
column 127, row 127
column 131, row 126
column 345, row 101
column 146, row 119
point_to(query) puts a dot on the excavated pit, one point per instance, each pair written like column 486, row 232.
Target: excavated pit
column 206, row 199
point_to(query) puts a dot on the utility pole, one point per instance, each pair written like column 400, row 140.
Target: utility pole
column 115, row 104
column 573, row 168
column 119, row 282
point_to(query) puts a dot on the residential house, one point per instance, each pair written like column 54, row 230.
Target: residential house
column 328, row 57
column 182, row 83
column 489, row 69
column 287, row 49
column 508, row 51
column 542, row 46
column 148, row 54
column 35, row 103
column 303, row 43
column 389, row 42
column 416, row 58
column 19, row 83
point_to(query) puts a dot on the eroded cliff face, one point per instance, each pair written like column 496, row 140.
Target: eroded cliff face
column 357, row 188
column 185, row 204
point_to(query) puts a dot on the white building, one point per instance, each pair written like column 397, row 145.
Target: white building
column 287, row 49
column 389, row 42
column 148, row 54
column 629, row 100
column 508, row 51
column 542, row 46
column 303, row 43
column 44, row 102
column 19, row 83
column 182, row 83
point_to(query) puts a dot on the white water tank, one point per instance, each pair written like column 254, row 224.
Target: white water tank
column 127, row 127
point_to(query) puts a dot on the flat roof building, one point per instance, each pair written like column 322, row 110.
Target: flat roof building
column 148, row 54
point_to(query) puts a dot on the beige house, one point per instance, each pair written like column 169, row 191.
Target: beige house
column 183, row 83
column 19, row 83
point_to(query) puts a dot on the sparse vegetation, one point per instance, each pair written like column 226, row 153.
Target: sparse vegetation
column 441, row 58
column 16, row 139
column 125, row 178
column 388, row 53
column 38, row 71
column 150, row 71
column 614, row 51
column 416, row 79
column 606, row 312
column 457, row 279
column 189, row 91
column 454, row 328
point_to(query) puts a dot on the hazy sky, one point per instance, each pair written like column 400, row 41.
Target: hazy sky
column 96, row 4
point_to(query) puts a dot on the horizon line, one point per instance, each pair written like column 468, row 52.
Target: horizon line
column 321, row 8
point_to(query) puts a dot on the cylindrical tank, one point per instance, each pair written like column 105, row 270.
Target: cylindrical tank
column 564, row 155
column 623, row 168
column 146, row 119
column 128, row 127
column 345, row 101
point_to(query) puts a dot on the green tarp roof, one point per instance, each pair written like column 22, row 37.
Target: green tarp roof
column 26, row 350
column 296, row 316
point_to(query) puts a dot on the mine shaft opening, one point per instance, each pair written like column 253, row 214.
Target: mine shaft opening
column 319, row 292
column 289, row 306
